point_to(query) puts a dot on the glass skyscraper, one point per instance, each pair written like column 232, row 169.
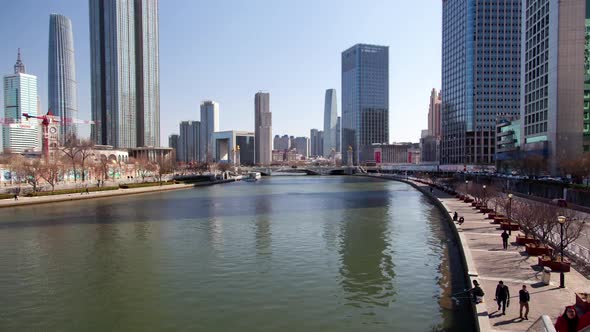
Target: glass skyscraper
column 61, row 83
column 125, row 72
column 209, row 125
column 480, row 76
column 365, row 98
column 20, row 96
column 330, row 122
column 262, row 129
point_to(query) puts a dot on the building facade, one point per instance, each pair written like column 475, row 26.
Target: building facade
column 508, row 138
column 234, row 147
column 365, row 98
column 552, row 81
column 209, row 125
column 302, row 146
column 188, row 143
column 434, row 108
column 20, row 96
column 339, row 134
column 480, row 75
column 316, row 139
column 330, row 123
column 282, row 142
column 586, row 141
column 124, row 48
column 61, row 84
column 173, row 141
column 263, row 129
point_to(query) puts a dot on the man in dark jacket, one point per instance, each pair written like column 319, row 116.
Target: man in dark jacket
column 502, row 296
column 524, row 298
column 505, row 238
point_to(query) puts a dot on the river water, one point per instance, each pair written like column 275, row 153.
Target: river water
column 282, row 254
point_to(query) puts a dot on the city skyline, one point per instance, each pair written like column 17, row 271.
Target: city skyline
column 301, row 92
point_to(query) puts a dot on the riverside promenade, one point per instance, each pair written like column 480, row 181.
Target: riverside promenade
column 488, row 263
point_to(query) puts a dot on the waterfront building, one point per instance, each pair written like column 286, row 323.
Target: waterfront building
column 150, row 153
column 339, row 135
column 276, row 142
column 330, row 123
column 234, row 147
column 20, row 96
column 395, row 153
column 125, row 75
column 209, row 125
column 173, row 141
column 302, row 146
column 282, row 142
column 263, row 129
column 61, row 83
column 188, row 145
column 434, row 114
column 552, row 89
column 365, row 97
column 429, row 147
column 481, row 47
column 316, row 138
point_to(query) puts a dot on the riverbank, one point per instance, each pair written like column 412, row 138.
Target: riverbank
column 486, row 262
column 22, row 201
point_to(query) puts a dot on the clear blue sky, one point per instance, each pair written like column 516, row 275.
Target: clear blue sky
column 228, row 50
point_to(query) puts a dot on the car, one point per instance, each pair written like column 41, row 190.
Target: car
column 559, row 202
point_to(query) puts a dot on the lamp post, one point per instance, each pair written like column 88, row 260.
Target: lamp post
column 484, row 196
column 509, row 214
column 466, row 183
column 561, row 220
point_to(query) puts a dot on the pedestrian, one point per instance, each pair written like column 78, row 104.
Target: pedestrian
column 431, row 190
column 568, row 322
column 477, row 292
column 461, row 221
column 502, row 297
column 455, row 216
column 505, row 238
column 524, row 297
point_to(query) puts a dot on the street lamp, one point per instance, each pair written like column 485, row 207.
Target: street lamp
column 561, row 220
column 466, row 182
column 484, row 196
column 509, row 214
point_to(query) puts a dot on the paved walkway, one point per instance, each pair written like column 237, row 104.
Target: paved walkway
column 489, row 263
column 97, row 194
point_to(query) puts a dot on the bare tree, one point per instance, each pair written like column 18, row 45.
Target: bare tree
column 546, row 216
column 50, row 170
column 525, row 214
column 84, row 152
column 163, row 165
column 70, row 152
column 572, row 228
column 30, row 171
column 143, row 167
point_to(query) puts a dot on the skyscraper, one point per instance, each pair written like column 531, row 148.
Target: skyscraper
column 188, row 144
column 552, row 89
column 434, row 114
column 302, row 146
column 480, row 75
column 209, row 125
column 330, row 122
column 173, row 141
column 316, row 139
column 339, row 134
column 20, row 96
column 125, row 72
column 365, row 98
column 262, row 129
column 61, row 83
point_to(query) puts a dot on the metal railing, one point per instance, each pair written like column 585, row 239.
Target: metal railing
column 543, row 324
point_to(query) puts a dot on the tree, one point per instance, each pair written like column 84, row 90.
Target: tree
column 572, row 228
column 70, row 152
column 143, row 167
column 30, row 171
column 84, row 152
column 546, row 221
column 525, row 214
column 163, row 165
column 50, row 170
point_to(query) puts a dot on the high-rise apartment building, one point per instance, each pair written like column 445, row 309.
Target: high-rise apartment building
column 365, row 98
column 339, row 134
column 61, row 84
column 20, row 96
column 480, row 75
column 302, row 146
column 316, row 142
column 586, row 141
column 434, row 114
column 282, row 143
column 173, row 141
column 262, row 129
column 330, row 122
column 552, row 89
column 209, row 125
column 188, row 143
column 124, row 48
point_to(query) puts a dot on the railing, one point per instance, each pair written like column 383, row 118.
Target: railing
column 543, row 324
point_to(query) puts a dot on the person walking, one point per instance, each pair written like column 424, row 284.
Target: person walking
column 477, row 292
column 461, row 221
column 524, row 298
column 568, row 322
column 455, row 216
column 505, row 238
column 502, row 297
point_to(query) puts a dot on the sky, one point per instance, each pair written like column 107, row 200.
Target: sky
column 227, row 50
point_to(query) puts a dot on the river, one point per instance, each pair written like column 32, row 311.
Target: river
column 281, row 254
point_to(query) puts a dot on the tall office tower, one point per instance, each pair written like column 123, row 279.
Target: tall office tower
column 339, row 134
column 188, row 144
column 61, row 83
column 587, row 82
column 330, row 122
column 434, row 114
column 125, row 72
column 480, row 75
column 173, row 141
column 209, row 125
column 316, row 138
column 302, row 146
column 262, row 129
column 276, row 143
column 286, row 142
column 20, row 96
column 552, row 80
column 365, row 98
